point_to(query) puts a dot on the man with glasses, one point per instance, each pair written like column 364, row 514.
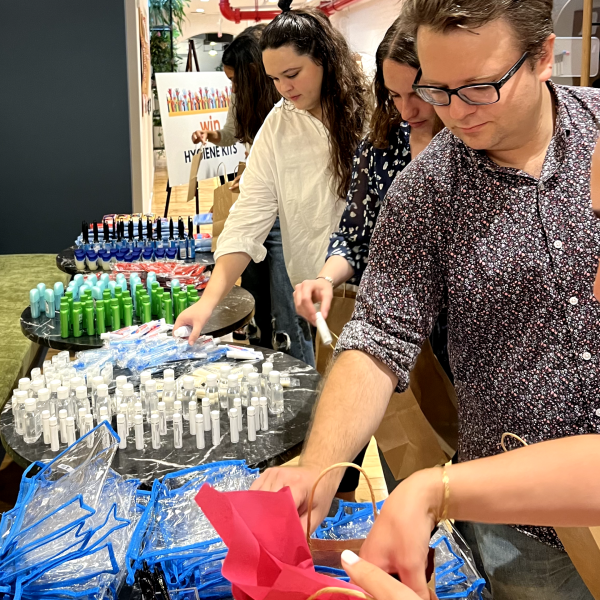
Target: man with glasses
column 497, row 210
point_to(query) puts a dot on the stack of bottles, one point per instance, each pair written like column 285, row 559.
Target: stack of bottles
column 140, row 242
column 175, row 534
column 64, row 402
column 70, row 531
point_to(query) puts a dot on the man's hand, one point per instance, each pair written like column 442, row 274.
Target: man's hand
column 308, row 293
column 374, row 581
column 399, row 540
column 301, row 480
column 235, row 184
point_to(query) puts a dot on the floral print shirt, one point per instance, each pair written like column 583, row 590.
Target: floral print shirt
column 518, row 256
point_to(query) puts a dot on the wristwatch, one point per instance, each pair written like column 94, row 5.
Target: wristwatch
column 327, row 279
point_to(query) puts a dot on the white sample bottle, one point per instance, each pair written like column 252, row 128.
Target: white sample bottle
column 264, row 414
column 237, row 404
column 81, row 399
column 89, row 425
column 46, row 426
column 129, row 401
column 21, row 396
column 54, row 443
column 189, row 394
column 253, row 389
column 103, row 400
column 122, row 431
column 25, row 385
column 169, row 374
column 251, row 418
column 244, row 395
column 234, row 432
column 81, row 420
column 254, row 402
column 233, row 390
column 206, row 412
column 138, row 410
column 177, row 430
column 212, row 391
column 32, row 426
column 199, row 431
column 168, row 397
column 70, row 431
column 62, row 424
column 54, row 385
column 151, row 397
column 177, row 406
column 36, row 386
column 43, row 400
column 162, row 422
column 120, row 381
column 139, row 431
column 216, row 427
column 155, row 430
column 264, row 380
column 36, row 373
column 97, row 381
column 193, row 410
column 223, row 385
column 145, row 376
column 276, row 398
column 63, row 402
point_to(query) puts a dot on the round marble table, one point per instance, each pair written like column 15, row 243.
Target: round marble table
column 65, row 261
column 234, row 311
column 282, row 442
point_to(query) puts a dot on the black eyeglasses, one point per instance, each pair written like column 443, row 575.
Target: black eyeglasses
column 477, row 94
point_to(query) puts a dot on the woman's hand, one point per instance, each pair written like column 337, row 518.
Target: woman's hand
column 399, row 540
column 196, row 317
column 200, row 136
column 235, row 184
column 308, row 293
column 374, row 581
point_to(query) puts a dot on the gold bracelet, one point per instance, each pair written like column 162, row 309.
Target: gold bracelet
column 446, row 501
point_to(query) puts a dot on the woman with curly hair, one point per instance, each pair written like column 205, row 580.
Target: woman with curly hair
column 301, row 162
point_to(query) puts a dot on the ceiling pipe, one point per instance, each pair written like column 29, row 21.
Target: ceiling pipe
column 237, row 15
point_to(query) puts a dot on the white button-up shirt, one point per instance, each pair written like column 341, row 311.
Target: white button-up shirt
column 287, row 174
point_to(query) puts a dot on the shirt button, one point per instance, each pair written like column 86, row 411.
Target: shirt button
column 541, row 186
column 598, row 412
column 558, row 244
column 586, row 356
column 574, row 301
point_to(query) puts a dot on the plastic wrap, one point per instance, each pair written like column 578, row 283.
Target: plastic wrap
column 353, row 520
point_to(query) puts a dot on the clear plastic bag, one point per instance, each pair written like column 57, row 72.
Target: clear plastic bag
column 353, row 520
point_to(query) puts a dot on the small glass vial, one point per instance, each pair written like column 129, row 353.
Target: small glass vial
column 246, row 371
column 264, row 414
column 216, row 427
column 233, row 390
column 70, row 431
column 54, row 443
column 188, row 395
column 46, row 426
column 43, row 400
column 155, row 430
column 264, row 380
column 62, row 425
column 253, row 389
column 63, row 401
column 234, row 432
column 102, row 400
column 162, row 413
column 251, row 418
column 276, row 398
column 193, row 410
column 32, row 428
column 139, row 431
column 223, row 385
column 177, row 430
column 237, row 403
column 145, row 376
column 177, row 406
column 122, row 431
column 199, row 431
column 151, row 397
column 206, row 412
column 169, row 396
column 212, row 391
column 81, row 420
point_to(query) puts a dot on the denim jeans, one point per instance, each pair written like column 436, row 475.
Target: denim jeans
column 275, row 312
column 518, row 567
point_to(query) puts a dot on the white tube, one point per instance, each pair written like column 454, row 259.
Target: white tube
column 237, row 403
column 46, row 426
column 122, row 431
column 54, row 445
column 139, row 432
column 251, row 414
column 206, row 413
column 264, row 414
column 323, row 330
column 199, row 419
column 70, row 431
column 233, row 426
column 162, row 418
column 254, row 402
column 155, row 426
column 89, row 425
column 177, row 430
column 193, row 408
column 216, row 427
column 62, row 425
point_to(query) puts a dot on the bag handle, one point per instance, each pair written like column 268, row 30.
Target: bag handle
column 314, row 489
column 337, row 590
column 514, row 436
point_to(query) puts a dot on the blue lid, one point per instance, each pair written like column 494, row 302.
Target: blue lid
column 79, row 254
column 34, row 296
column 113, row 252
column 129, row 258
column 171, row 252
column 148, row 252
column 92, row 255
column 160, row 252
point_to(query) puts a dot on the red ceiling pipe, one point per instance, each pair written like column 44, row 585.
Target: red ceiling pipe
column 237, row 15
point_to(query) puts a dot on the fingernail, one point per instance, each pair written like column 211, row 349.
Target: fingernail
column 349, row 557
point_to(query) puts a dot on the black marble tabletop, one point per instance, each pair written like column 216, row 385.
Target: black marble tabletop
column 234, row 311
column 282, row 442
column 65, row 261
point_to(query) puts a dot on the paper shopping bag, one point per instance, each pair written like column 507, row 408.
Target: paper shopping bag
column 193, row 182
column 224, row 199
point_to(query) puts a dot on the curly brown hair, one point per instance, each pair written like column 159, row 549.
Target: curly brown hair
column 344, row 99
column 255, row 94
column 397, row 45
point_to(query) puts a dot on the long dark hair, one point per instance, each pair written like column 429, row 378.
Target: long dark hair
column 343, row 92
column 255, row 93
column 397, row 45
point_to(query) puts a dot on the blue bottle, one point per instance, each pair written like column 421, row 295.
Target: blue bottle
column 78, row 280
column 159, row 254
column 171, row 253
column 111, row 286
column 148, row 254
column 59, row 292
column 105, row 277
column 191, row 248
column 42, row 302
column 34, row 302
column 182, row 250
column 80, row 260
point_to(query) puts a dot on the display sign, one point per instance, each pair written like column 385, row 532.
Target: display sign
column 189, row 102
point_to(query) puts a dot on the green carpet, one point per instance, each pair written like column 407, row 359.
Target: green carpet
column 18, row 274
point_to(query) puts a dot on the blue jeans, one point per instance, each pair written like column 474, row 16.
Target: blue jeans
column 275, row 313
column 518, row 567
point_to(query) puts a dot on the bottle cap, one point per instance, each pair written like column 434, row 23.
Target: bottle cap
column 154, row 418
column 193, row 405
column 54, row 385
column 34, row 296
column 254, row 401
column 251, row 411
column 145, row 376
column 82, row 412
column 70, row 422
column 267, row 367
column 102, row 389
column 233, row 380
column 21, row 395
column 89, row 419
column 44, row 394
column 161, row 406
column 30, row 404
column 45, row 414
column 177, row 405
column 37, row 385
column 138, row 419
column 225, row 370
column 169, row 374
column 263, row 401
column 247, row 369
column 137, row 406
column 168, row 384
column 63, row 392
column 81, row 391
column 127, row 389
column 237, row 402
column 211, row 379
column 188, row 383
column 254, row 378
column 233, row 412
column 121, row 381
column 214, row 415
column 199, row 417
column 96, row 381
column 120, row 418
column 63, row 414
column 24, row 383
column 53, row 421
column 76, row 382
column 205, row 402
column 150, row 386
column 177, row 417
column 103, row 411
column 274, row 376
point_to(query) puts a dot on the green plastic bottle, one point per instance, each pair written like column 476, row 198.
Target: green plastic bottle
column 160, row 294
column 127, row 311
column 175, row 303
column 89, row 320
column 119, row 298
column 107, row 314
column 77, row 319
column 155, row 286
column 182, row 303
column 100, row 320
column 146, row 310
column 115, row 314
column 64, row 319
column 168, row 310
